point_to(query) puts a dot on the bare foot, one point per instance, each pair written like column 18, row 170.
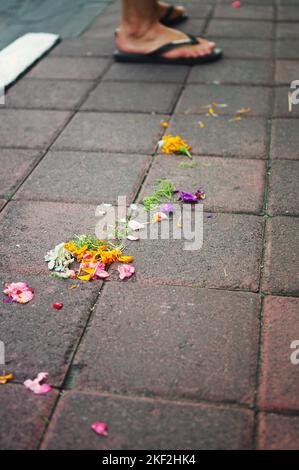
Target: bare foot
column 157, row 35
column 178, row 10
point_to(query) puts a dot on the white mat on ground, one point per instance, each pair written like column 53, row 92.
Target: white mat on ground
column 22, row 53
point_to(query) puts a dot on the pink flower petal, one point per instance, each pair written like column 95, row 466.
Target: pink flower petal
column 43, row 389
column 236, row 4
column 57, row 305
column 19, row 292
column 42, row 376
column 35, row 385
column 132, row 238
column 101, row 272
column 134, row 225
column 159, row 216
column 100, row 428
column 125, row 270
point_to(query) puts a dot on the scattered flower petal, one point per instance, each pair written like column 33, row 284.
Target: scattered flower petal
column 57, row 305
column 164, row 124
column 174, row 145
column 36, row 386
column 100, row 428
column 211, row 112
column 235, row 118
column 159, row 216
column 135, row 225
column 201, row 124
column 125, row 270
column 101, row 272
column 132, row 238
column 244, row 110
column 187, row 197
column 167, row 208
column 200, row 194
column 5, row 378
column 236, row 4
column 19, row 292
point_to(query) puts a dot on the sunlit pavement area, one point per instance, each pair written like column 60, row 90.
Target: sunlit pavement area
column 195, row 350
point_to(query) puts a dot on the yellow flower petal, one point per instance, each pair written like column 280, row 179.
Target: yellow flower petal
column 5, row 378
column 85, row 277
column 125, row 259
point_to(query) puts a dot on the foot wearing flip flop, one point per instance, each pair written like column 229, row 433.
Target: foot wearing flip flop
column 142, row 38
column 157, row 36
column 170, row 15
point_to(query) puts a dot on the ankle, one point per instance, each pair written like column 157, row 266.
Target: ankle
column 137, row 30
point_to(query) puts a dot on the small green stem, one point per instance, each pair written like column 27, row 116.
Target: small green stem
column 185, row 151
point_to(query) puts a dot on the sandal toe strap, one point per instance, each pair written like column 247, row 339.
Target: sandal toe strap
column 190, row 41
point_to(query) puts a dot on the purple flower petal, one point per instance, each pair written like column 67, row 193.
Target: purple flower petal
column 187, row 197
column 167, row 208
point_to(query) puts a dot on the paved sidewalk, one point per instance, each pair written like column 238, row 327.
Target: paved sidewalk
column 194, row 350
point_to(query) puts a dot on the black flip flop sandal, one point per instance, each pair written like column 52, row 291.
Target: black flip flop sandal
column 155, row 57
column 168, row 21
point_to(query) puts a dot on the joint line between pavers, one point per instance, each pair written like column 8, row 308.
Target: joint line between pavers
column 264, row 242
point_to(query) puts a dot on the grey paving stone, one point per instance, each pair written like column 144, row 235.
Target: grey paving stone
column 288, row 13
column 15, row 166
column 196, row 97
column 64, row 18
column 133, row 97
column 2, row 203
column 286, row 71
column 287, row 49
column 113, row 132
column 285, row 139
column 241, row 28
column 36, row 336
column 196, row 10
column 278, row 432
column 281, row 102
column 133, row 424
column 252, row 2
column 153, row 361
column 157, row 73
column 215, row 264
column 85, row 177
column 78, row 22
column 245, row 138
column 229, row 187
column 284, row 191
column 278, row 384
column 281, row 263
column 47, row 94
column 23, row 417
column 245, row 48
column 28, row 128
column 84, row 47
column 78, row 68
column 250, row 12
column 193, row 26
column 287, row 30
column 105, row 24
column 38, row 227
column 252, row 72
